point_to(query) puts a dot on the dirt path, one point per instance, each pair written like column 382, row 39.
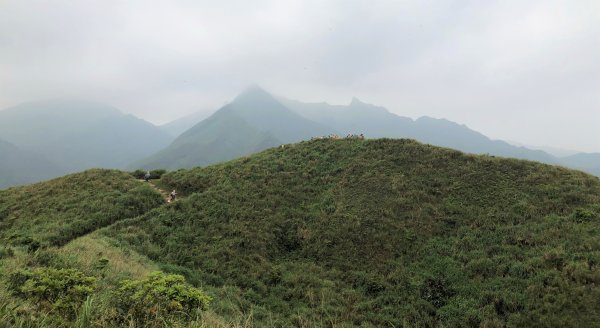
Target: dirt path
column 165, row 194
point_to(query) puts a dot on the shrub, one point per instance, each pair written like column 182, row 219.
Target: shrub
column 6, row 252
column 61, row 290
column 582, row 215
column 154, row 174
column 159, row 296
column 138, row 174
column 436, row 291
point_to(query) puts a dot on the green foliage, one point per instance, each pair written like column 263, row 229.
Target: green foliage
column 60, row 290
column 371, row 233
column 6, row 251
column 84, row 319
column 380, row 233
column 159, row 296
column 582, row 214
column 60, row 210
column 154, row 174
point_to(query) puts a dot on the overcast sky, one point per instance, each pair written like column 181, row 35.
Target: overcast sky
column 521, row 70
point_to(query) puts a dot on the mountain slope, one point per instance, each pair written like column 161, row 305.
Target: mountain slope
column 176, row 127
column 383, row 233
column 588, row 162
column 252, row 122
column 21, row 167
column 57, row 211
column 78, row 134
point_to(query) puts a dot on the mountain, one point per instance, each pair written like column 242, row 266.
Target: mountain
column 368, row 233
column 19, row 167
column 588, row 162
column 251, row 122
column 380, row 233
column 76, row 135
column 556, row 152
column 378, row 122
column 176, row 127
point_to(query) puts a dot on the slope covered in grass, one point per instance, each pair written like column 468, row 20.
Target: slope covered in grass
column 382, row 233
column 57, row 211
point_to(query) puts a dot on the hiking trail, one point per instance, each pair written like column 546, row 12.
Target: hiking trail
column 165, row 194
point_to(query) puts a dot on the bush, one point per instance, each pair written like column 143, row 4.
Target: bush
column 6, row 252
column 436, row 291
column 60, row 290
column 154, row 174
column 583, row 215
column 159, row 296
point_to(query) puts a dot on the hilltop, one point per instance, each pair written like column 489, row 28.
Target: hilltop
column 382, row 233
column 370, row 233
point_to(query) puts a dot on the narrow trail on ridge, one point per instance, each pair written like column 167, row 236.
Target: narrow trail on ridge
column 165, row 194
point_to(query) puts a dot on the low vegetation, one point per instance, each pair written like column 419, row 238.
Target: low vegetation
column 326, row 233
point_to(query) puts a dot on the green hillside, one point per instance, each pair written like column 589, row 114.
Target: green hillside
column 383, row 233
column 326, row 233
column 60, row 210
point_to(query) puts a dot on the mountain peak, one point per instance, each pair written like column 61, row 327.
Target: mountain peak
column 356, row 101
column 254, row 93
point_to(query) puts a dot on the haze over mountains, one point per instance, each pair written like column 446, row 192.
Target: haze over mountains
column 71, row 135
column 47, row 139
column 256, row 120
column 252, row 122
column 19, row 167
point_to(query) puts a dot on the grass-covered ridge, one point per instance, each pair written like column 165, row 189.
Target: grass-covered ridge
column 56, row 271
column 382, row 233
column 57, row 211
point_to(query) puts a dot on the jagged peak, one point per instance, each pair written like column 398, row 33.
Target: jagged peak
column 356, row 101
column 253, row 92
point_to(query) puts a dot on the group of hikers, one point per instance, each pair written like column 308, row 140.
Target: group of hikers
column 335, row 136
column 172, row 195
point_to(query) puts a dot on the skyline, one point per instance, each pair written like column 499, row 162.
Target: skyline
column 513, row 71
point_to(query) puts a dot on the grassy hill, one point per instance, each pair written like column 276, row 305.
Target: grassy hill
column 384, row 233
column 372, row 233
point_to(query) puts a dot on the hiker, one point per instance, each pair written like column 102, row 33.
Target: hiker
column 172, row 196
column 147, row 176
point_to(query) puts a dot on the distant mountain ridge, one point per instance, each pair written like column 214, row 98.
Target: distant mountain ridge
column 378, row 122
column 18, row 167
column 75, row 135
column 178, row 126
column 263, row 121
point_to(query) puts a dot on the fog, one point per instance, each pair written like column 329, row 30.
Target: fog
column 526, row 71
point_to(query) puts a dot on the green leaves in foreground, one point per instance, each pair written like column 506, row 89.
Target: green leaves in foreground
column 159, row 296
column 61, row 290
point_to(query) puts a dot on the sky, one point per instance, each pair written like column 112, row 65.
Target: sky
column 526, row 71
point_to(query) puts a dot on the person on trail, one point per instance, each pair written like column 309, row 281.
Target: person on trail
column 147, row 176
column 172, row 196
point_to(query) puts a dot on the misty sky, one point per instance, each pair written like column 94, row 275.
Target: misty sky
column 522, row 70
